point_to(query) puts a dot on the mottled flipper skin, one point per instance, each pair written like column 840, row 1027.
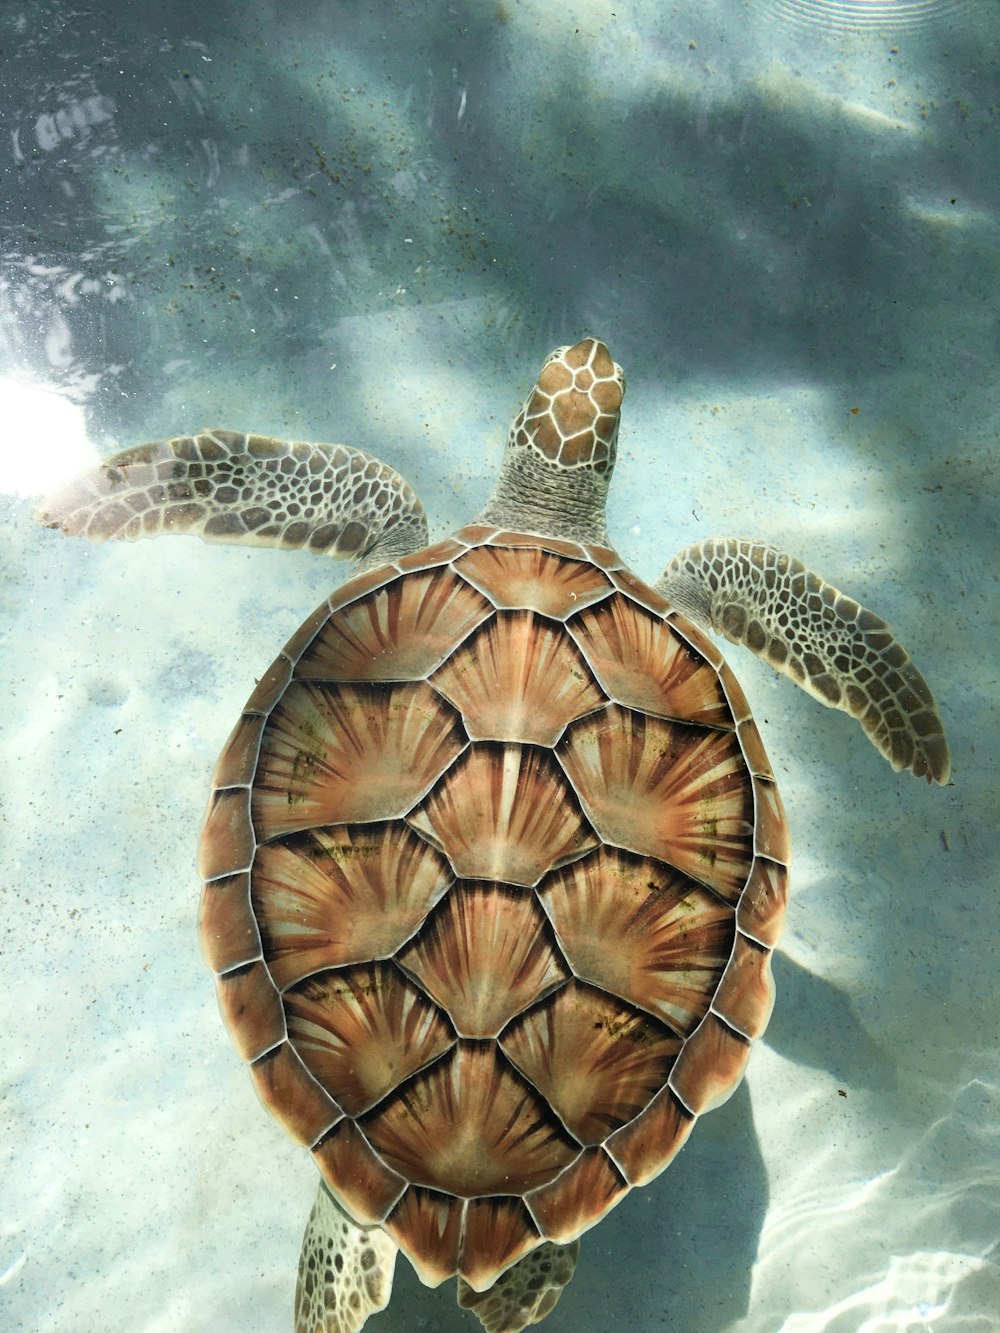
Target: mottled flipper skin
column 345, row 1275
column 345, row 1271
column 526, row 1293
column 842, row 654
column 229, row 487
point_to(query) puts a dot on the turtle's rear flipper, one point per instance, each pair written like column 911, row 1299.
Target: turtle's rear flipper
column 345, row 1271
column 526, row 1292
column 228, row 487
column 842, row 654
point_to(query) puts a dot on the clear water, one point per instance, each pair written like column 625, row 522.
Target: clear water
column 370, row 223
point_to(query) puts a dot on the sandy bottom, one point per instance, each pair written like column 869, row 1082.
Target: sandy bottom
column 852, row 1183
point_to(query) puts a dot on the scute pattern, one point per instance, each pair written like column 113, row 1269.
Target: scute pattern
column 470, row 1126
column 505, row 812
column 595, row 1060
column 643, row 663
column 362, row 1030
column 334, row 752
column 639, row 929
column 341, row 895
column 400, row 632
column 484, row 956
column 534, row 578
column 665, row 789
column 519, row 678
column 494, row 867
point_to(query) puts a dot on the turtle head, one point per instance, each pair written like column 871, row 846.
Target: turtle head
column 561, row 449
column 571, row 415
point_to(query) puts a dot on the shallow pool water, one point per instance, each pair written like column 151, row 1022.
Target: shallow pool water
column 369, row 224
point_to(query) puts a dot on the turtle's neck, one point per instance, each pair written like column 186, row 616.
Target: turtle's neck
column 536, row 496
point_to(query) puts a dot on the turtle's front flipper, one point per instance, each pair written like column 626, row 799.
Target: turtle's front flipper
column 228, row 487
column 844, row 655
column 345, row 1271
column 526, row 1292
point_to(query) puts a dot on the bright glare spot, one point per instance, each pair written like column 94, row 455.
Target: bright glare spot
column 44, row 439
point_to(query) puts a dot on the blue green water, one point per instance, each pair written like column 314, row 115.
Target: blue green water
column 369, row 224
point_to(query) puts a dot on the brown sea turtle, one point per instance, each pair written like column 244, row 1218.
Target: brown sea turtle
column 494, row 860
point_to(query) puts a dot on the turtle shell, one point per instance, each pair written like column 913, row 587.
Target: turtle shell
column 494, row 866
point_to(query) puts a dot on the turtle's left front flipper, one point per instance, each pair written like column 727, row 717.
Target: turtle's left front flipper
column 345, row 1271
column 225, row 486
column 842, row 654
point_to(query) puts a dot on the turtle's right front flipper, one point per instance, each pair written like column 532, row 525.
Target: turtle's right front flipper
column 228, row 487
column 842, row 654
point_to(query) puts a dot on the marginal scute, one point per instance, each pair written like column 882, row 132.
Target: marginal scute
column 504, row 813
column 360, row 585
column 697, row 638
column 642, row 931
column 227, row 926
column 753, row 750
column 745, row 996
column 428, row 1225
column 649, row 1143
column 604, row 557
column 518, row 678
column 271, row 686
column 738, row 705
column 368, row 1189
column 430, row 557
column 770, row 828
column 498, row 1232
column 251, row 1009
column 291, row 1095
column 484, row 955
column 710, row 1067
column 237, row 762
column 344, row 894
column 640, row 592
column 761, row 910
column 227, row 841
column 578, row 1198
column 476, row 534
column 305, row 633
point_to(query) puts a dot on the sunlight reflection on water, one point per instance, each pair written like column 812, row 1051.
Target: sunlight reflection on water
column 45, row 438
column 888, row 14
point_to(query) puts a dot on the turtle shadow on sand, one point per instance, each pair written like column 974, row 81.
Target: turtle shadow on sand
column 816, row 1025
column 681, row 1251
